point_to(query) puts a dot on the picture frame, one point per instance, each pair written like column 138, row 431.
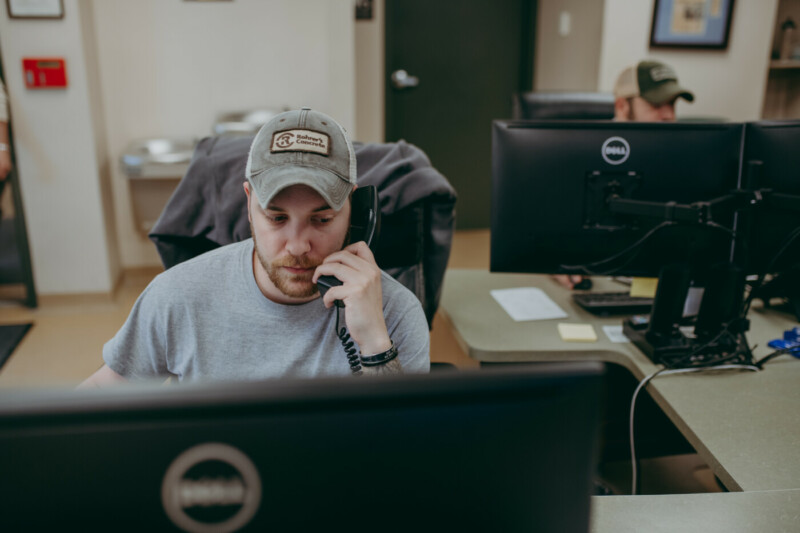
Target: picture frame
column 35, row 9
column 702, row 24
column 364, row 9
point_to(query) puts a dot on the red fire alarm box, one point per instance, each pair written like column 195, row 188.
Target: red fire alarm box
column 44, row 72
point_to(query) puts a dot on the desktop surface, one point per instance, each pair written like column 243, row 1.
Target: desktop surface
column 727, row 512
column 407, row 453
column 745, row 425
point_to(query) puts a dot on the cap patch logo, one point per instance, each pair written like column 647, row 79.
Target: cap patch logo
column 301, row 141
column 662, row 73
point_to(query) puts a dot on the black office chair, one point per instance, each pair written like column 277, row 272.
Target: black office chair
column 563, row 105
column 208, row 210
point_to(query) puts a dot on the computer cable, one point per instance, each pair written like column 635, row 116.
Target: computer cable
column 642, row 384
column 722, row 228
column 761, row 277
column 742, row 354
column 764, row 360
column 586, row 269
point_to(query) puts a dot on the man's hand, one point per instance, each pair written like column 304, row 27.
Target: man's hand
column 5, row 164
column 361, row 293
column 572, row 281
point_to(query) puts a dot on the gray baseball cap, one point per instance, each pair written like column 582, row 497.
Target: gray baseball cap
column 302, row 147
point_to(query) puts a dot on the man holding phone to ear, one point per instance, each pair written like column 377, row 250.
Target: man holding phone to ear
column 252, row 310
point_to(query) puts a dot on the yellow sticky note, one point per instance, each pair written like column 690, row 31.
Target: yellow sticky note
column 577, row 332
column 644, row 287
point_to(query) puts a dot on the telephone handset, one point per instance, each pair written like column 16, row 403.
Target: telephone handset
column 365, row 225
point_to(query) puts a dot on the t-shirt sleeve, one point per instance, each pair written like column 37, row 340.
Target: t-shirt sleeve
column 408, row 329
column 139, row 349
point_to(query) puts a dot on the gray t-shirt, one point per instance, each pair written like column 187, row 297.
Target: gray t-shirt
column 206, row 319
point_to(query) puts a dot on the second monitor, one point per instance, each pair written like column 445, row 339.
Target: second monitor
column 553, row 182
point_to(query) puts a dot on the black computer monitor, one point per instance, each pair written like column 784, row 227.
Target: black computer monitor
column 509, row 450
column 776, row 146
column 631, row 199
column 551, row 182
column 771, row 164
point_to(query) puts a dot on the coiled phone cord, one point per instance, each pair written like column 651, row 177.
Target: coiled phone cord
column 349, row 348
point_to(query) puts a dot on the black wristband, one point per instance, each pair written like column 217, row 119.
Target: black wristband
column 380, row 358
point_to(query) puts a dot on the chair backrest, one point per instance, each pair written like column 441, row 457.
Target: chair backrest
column 563, row 105
column 208, row 210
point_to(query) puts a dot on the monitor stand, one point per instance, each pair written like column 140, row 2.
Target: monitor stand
column 719, row 330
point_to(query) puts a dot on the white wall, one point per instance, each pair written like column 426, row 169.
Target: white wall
column 59, row 154
column 729, row 83
column 168, row 68
column 370, row 86
column 568, row 62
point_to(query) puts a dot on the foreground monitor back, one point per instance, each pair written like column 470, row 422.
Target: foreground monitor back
column 511, row 450
column 776, row 144
column 551, row 180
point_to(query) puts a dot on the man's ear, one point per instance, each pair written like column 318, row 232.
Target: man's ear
column 247, row 193
column 622, row 109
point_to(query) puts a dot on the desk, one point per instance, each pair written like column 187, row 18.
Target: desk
column 732, row 512
column 745, row 425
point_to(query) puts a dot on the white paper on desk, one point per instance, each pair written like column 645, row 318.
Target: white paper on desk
column 614, row 334
column 527, row 303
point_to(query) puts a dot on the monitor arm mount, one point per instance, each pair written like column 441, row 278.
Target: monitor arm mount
column 700, row 213
column 719, row 333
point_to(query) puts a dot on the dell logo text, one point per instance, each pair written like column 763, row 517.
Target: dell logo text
column 615, row 150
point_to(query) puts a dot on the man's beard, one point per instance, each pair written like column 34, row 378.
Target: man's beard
column 292, row 285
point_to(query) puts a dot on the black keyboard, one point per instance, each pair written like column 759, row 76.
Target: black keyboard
column 613, row 303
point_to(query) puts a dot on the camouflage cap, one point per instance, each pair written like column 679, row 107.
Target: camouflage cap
column 653, row 81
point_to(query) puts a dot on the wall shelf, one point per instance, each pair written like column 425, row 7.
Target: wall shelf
column 782, row 94
column 784, row 64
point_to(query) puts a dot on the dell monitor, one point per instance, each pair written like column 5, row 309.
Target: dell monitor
column 509, row 450
column 551, row 183
column 628, row 199
column 772, row 165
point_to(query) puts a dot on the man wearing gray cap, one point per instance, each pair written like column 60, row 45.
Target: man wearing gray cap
column 252, row 310
column 646, row 92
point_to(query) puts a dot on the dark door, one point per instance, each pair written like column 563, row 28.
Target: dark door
column 463, row 60
column 15, row 255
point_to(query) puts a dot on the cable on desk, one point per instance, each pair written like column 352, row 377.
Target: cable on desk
column 764, row 360
column 643, row 384
column 734, row 350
